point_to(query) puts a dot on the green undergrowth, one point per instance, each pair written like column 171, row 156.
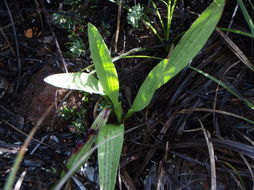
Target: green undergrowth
column 106, row 134
column 106, row 83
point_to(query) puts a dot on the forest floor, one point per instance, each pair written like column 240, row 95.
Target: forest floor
column 170, row 144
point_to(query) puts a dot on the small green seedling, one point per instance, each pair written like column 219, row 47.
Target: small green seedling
column 110, row 137
column 76, row 116
column 170, row 5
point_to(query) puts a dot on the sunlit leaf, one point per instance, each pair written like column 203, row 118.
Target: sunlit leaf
column 110, row 142
column 76, row 81
column 188, row 47
column 104, row 67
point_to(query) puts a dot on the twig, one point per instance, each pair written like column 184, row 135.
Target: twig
column 211, row 155
column 8, row 42
column 232, row 18
column 118, row 22
column 56, row 42
column 39, row 13
column 233, row 47
column 19, row 158
column 249, row 168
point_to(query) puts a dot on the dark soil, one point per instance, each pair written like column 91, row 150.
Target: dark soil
column 165, row 145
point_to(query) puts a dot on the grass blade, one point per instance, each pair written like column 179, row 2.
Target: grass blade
column 104, row 67
column 147, row 89
column 190, row 110
column 171, row 9
column 76, row 81
column 246, row 16
column 235, row 49
column 153, row 30
column 14, row 170
column 237, row 32
column 227, row 87
column 82, row 149
column 158, row 15
column 110, row 140
column 188, row 47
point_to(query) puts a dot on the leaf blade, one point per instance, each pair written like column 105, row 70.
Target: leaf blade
column 110, row 142
column 183, row 53
column 76, row 81
column 226, row 86
column 246, row 15
column 99, row 122
column 104, row 67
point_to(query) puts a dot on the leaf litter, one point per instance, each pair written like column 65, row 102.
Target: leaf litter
column 167, row 146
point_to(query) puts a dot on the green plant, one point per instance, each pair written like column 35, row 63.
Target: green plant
column 66, row 113
column 237, row 32
column 83, row 148
column 246, row 15
column 63, row 21
column 170, row 5
column 110, row 137
column 72, row 22
column 135, row 16
column 72, row 2
column 76, row 47
column 247, row 18
column 76, row 116
column 224, row 85
column 74, row 28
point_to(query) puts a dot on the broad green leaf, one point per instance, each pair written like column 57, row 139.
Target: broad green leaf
column 110, row 142
column 76, row 81
column 227, row 87
column 104, row 67
column 187, row 48
column 84, row 148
